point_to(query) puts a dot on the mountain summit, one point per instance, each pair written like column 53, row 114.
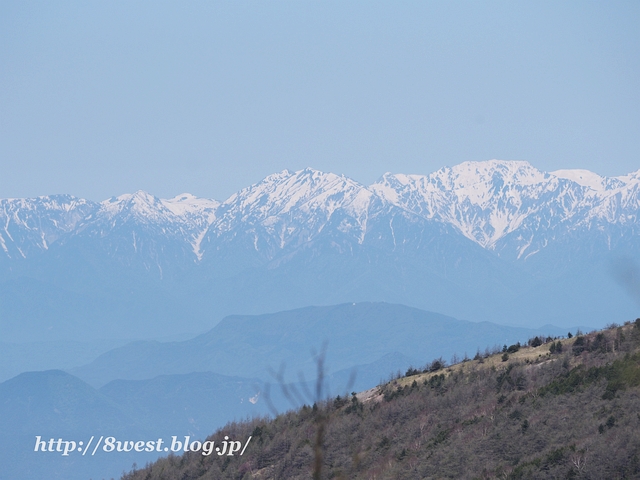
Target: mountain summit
column 484, row 201
column 495, row 240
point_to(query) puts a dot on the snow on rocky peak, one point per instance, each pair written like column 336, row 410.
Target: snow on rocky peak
column 184, row 216
column 292, row 208
column 32, row 224
column 140, row 205
column 476, row 183
column 306, row 191
column 475, row 179
column 492, row 203
column 185, row 210
column 186, row 204
column 487, row 201
column 197, row 215
column 483, row 200
column 589, row 179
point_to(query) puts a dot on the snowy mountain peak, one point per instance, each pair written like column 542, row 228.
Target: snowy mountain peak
column 184, row 216
column 291, row 208
column 485, row 201
column 590, row 179
column 128, row 200
column 468, row 175
column 500, row 205
column 30, row 225
column 280, row 193
column 633, row 177
column 187, row 204
column 140, row 205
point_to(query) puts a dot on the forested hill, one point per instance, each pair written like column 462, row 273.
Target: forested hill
column 565, row 408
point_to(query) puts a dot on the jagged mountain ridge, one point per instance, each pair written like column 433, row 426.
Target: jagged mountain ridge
column 508, row 207
column 492, row 202
column 496, row 241
column 30, row 225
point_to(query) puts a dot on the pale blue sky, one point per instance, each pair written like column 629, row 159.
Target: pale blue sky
column 103, row 98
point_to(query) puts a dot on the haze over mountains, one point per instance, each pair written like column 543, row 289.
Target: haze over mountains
column 158, row 389
column 498, row 242
column 356, row 334
column 495, row 240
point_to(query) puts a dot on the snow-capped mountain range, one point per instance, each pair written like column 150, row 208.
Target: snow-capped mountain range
column 509, row 207
column 494, row 240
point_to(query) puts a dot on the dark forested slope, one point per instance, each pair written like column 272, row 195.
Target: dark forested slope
column 565, row 408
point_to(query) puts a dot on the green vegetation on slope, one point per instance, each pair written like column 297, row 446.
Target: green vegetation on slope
column 560, row 409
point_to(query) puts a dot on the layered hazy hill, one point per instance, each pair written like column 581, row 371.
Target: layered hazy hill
column 55, row 404
column 495, row 240
column 151, row 389
column 363, row 334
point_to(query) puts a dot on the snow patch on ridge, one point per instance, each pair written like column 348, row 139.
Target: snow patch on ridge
column 187, row 204
column 585, row 178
